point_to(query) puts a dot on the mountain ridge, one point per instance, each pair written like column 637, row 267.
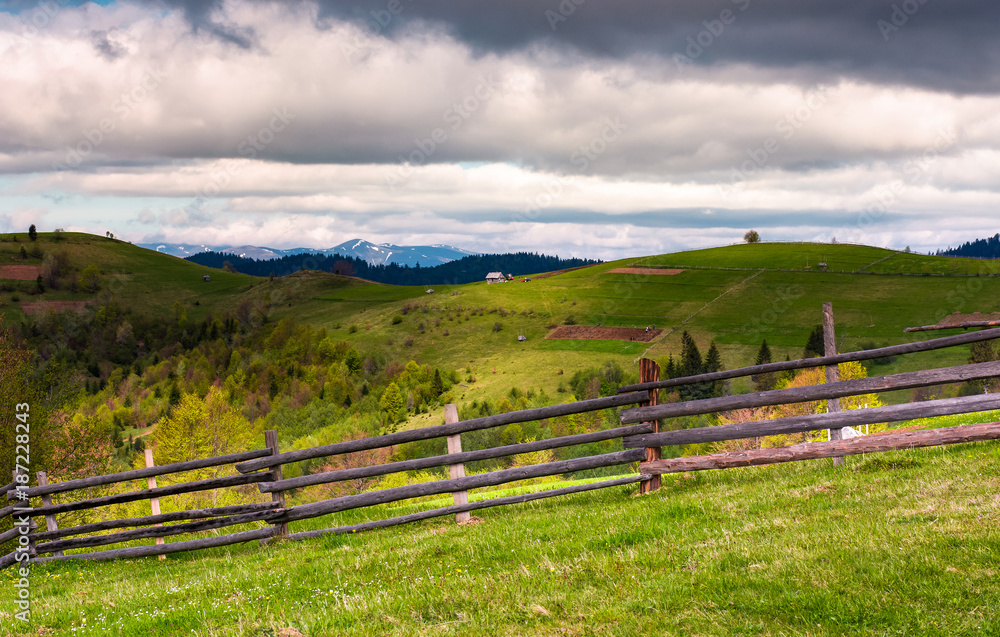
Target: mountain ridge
column 373, row 253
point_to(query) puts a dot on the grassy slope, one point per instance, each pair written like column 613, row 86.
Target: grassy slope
column 779, row 305
column 894, row 544
column 140, row 277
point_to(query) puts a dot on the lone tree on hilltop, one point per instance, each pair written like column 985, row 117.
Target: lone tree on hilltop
column 751, row 237
column 32, row 232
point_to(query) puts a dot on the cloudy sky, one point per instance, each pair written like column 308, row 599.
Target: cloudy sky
column 592, row 128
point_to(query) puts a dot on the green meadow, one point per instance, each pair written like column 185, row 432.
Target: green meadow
column 900, row 543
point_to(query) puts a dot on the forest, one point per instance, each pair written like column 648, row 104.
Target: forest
column 988, row 248
column 467, row 270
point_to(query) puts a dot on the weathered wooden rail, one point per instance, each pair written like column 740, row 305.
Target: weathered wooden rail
column 642, row 437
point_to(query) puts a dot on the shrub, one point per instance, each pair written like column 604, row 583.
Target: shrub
column 570, row 320
column 397, row 319
column 497, row 326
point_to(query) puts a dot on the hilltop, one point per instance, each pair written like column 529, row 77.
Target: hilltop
column 737, row 295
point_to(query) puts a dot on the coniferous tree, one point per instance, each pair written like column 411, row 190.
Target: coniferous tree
column 767, row 381
column 437, row 385
column 814, row 345
column 690, row 365
column 32, row 232
column 713, row 363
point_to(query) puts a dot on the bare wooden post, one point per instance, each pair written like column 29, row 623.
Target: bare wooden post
column 154, row 503
column 649, row 371
column 832, row 373
column 456, row 470
column 271, row 442
column 50, row 520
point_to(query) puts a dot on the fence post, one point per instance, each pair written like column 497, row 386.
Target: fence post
column 50, row 520
column 456, row 470
column 154, row 503
column 832, row 373
column 649, row 371
column 271, row 442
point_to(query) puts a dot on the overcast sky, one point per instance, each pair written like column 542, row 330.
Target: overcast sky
column 592, row 128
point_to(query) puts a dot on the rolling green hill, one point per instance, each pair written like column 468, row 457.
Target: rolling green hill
column 737, row 295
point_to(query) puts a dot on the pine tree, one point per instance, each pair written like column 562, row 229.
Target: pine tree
column 691, row 365
column 392, row 402
column 764, row 382
column 814, row 345
column 437, row 385
column 713, row 363
column 32, row 232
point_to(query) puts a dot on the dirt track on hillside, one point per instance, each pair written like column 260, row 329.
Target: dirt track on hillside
column 605, row 333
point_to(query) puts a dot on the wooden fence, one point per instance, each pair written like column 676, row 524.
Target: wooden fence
column 641, row 418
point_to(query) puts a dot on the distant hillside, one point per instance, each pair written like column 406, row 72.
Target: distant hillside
column 372, row 253
column 980, row 248
column 467, row 270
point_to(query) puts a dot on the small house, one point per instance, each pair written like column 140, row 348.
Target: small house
column 207, row 277
column 495, row 277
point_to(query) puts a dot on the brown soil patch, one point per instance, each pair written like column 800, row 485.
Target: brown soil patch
column 667, row 271
column 605, row 333
column 42, row 307
column 958, row 317
column 20, row 272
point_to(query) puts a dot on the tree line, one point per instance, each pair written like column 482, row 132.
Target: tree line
column 988, row 248
column 466, row 270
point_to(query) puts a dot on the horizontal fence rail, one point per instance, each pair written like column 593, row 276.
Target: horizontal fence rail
column 831, row 449
column 148, row 472
column 963, row 325
column 316, row 509
column 814, row 422
column 153, row 531
column 440, row 461
column 820, row 361
column 471, row 506
column 907, row 380
column 190, row 514
column 639, row 433
column 473, row 424
column 145, row 494
column 163, row 549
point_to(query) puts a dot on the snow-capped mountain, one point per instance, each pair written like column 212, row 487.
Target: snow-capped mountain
column 373, row 253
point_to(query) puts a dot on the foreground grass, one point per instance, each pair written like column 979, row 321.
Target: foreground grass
column 892, row 544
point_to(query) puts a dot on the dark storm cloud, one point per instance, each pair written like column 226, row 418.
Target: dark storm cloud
column 942, row 44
